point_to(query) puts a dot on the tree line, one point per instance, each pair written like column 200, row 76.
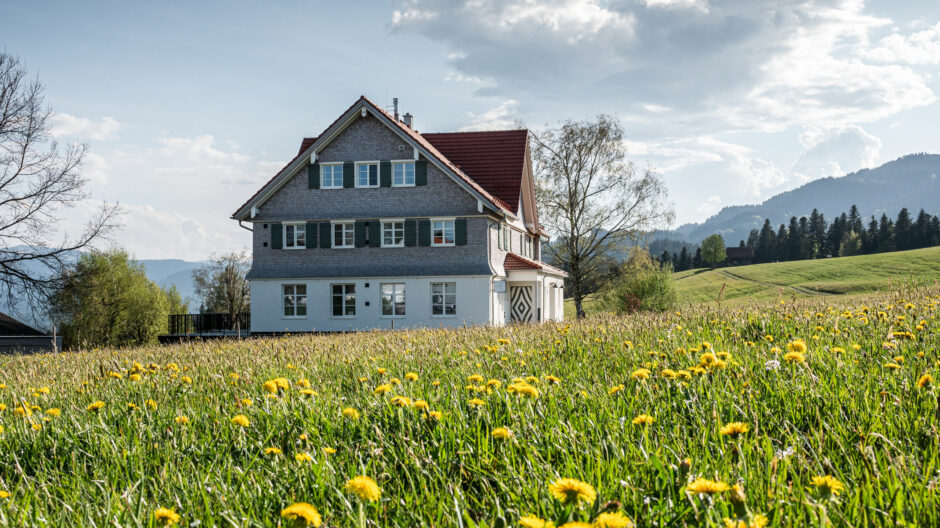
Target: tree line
column 813, row 237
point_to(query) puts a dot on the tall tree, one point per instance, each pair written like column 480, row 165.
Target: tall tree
column 713, row 250
column 766, row 243
column 903, row 230
column 794, row 240
column 221, row 284
column 38, row 179
column 591, row 198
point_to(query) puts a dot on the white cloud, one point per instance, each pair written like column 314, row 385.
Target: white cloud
column 920, row 48
column 710, row 206
column 501, row 117
column 835, row 151
column 80, row 127
column 701, row 5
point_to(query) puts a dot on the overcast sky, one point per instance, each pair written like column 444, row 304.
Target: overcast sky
column 189, row 107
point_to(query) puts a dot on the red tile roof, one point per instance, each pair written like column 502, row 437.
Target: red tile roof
column 515, row 262
column 305, row 144
column 495, row 160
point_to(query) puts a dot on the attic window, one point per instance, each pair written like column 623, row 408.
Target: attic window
column 367, row 174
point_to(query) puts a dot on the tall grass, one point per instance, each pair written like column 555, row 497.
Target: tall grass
column 847, row 413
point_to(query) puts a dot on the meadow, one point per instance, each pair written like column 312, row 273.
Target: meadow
column 806, row 412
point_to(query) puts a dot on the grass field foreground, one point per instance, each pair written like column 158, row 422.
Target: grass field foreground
column 799, row 414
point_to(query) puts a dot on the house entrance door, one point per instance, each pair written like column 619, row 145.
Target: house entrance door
column 521, row 304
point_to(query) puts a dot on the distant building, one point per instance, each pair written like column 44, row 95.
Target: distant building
column 739, row 256
column 19, row 338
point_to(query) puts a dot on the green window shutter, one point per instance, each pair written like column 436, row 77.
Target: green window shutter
column 360, row 233
column 424, row 232
column 277, row 236
column 411, row 234
column 313, row 176
column 326, row 235
column 460, row 232
column 374, row 240
column 421, row 172
column 385, row 174
column 311, row 235
column 349, row 174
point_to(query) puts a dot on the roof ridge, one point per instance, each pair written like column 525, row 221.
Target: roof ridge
column 479, row 131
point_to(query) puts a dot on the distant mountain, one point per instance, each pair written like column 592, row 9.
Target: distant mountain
column 912, row 181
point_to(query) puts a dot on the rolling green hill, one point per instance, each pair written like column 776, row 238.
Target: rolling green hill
column 806, row 278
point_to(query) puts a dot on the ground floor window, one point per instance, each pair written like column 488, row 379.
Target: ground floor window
column 344, row 300
column 295, row 300
column 443, row 298
column 393, row 299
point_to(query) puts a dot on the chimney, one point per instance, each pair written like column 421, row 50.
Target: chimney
column 395, row 104
column 409, row 120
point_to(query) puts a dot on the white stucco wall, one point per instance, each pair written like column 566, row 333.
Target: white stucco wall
column 474, row 295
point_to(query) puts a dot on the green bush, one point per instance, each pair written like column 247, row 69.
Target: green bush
column 642, row 285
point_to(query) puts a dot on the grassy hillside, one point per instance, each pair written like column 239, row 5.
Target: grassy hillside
column 810, row 278
column 654, row 417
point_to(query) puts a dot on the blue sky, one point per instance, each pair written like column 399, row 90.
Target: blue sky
column 188, row 107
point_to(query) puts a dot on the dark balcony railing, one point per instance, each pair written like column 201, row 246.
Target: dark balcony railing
column 208, row 323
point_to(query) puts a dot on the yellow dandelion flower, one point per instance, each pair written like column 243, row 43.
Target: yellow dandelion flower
column 272, row 451
column 577, row 524
column 53, row 412
column 572, row 491
column 382, row 370
column 758, row 521
column 612, row 520
column 707, row 486
column 329, row 451
column 434, row 415
column 301, row 514
column 270, row 387
column 186, row 379
column 925, row 381
column 351, row 413
column 501, row 433
column 401, row 401
column 363, row 487
column 182, row 420
column 640, row 374
column 152, row 405
column 644, row 419
column 421, row 405
column 165, row 517
column 798, row 346
column 615, row 389
column 411, row 376
column 531, row 521
column 828, row 485
column 553, row 379
column 134, row 377
column 734, row 429
column 303, row 457
column 794, row 357
column 476, row 402
column 382, row 389
column 240, row 420
column 246, row 402
column 95, row 407
column 282, row 383
column 892, row 366
column 4, row 494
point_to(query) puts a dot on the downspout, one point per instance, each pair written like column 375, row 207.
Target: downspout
column 245, row 228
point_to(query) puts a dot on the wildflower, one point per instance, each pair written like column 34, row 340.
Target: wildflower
column 4, row 494
column 329, row 451
column 363, row 487
column 640, row 374
column 270, row 387
column 572, row 491
column 798, row 346
column 552, row 379
column 301, row 514
column 53, row 412
column 615, row 389
column 476, row 402
column 644, row 419
column 734, row 429
column 165, row 517
column 411, row 376
column 828, row 485
column 501, row 433
column 307, row 392
column 186, row 379
column 576, row 524
column 794, row 357
column 524, row 389
column 395, row 381
column 152, row 405
column 707, row 486
column 351, row 413
column 246, row 402
column 924, row 381
column 434, row 415
column 493, row 384
column 421, row 405
column 531, row 521
column 134, row 377
column 182, row 420
column 382, row 389
column 401, row 401
column 95, row 407
column 303, row 457
column 837, row 350
column 24, row 410
column 282, row 383
column 272, row 451
column 758, row 521
column 669, row 374
column 240, row 420
column 892, row 366
column 303, row 383
column 475, row 379
column 612, row 520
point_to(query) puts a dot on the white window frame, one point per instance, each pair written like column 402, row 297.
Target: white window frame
column 398, row 163
column 444, row 295
column 349, row 226
column 385, row 221
column 293, row 243
column 453, row 231
column 323, row 184
column 343, row 296
column 404, row 303
column 295, row 296
column 378, row 174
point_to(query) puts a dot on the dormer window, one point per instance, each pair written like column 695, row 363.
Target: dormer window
column 367, row 174
column 403, row 173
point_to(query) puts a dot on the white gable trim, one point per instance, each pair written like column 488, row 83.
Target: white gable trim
column 309, row 156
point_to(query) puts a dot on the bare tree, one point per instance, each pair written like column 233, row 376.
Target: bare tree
column 37, row 181
column 221, row 284
column 591, row 199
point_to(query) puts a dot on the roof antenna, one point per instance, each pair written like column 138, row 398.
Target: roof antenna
column 395, row 103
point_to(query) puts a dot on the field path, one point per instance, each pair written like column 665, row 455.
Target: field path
column 798, row 289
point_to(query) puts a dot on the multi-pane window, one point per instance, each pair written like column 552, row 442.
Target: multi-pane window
column 393, row 233
column 295, row 236
column 344, row 235
column 367, row 174
column 344, row 300
column 332, row 176
column 403, row 173
column 443, row 298
column 442, row 233
column 295, row 300
column 393, row 299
